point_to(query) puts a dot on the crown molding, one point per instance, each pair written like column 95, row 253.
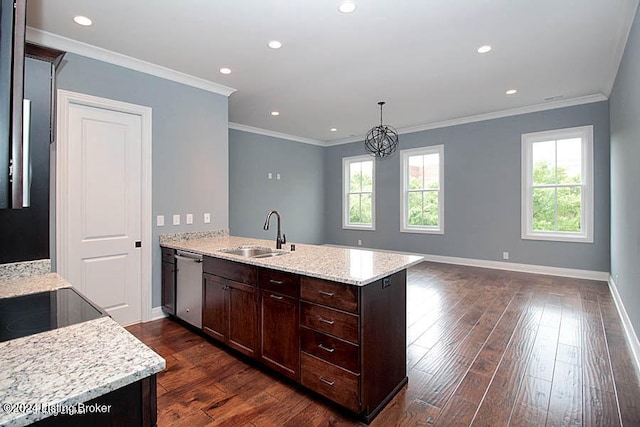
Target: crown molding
column 622, row 38
column 274, row 134
column 69, row 45
column 488, row 116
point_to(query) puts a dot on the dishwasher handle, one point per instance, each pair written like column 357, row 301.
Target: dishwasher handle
column 186, row 256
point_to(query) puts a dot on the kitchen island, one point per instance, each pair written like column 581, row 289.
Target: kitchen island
column 94, row 366
column 332, row 319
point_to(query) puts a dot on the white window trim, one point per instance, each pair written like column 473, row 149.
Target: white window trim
column 527, row 233
column 404, row 162
column 346, row 161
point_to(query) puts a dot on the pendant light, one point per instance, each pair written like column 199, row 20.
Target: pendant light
column 381, row 140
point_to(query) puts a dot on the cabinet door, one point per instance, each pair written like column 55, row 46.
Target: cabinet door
column 214, row 310
column 169, row 287
column 243, row 317
column 280, row 337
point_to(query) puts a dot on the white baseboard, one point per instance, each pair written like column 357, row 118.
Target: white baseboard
column 501, row 265
column 630, row 333
column 524, row 268
column 157, row 313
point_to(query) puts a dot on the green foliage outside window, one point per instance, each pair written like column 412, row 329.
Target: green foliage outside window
column 360, row 199
column 423, row 204
column 547, row 200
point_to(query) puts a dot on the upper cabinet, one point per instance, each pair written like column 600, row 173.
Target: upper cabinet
column 16, row 157
column 27, row 111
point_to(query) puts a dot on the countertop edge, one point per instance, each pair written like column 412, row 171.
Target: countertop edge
column 186, row 245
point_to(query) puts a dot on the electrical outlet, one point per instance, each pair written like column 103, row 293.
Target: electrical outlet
column 189, row 219
column 176, row 219
column 270, row 175
column 359, row 242
column 505, row 255
column 207, row 218
column 278, row 176
column 160, row 220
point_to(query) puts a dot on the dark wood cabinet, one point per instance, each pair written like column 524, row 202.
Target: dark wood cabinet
column 132, row 405
column 279, row 334
column 346, row 343
column 353, row 341
column 168, row 280
column 230, row 313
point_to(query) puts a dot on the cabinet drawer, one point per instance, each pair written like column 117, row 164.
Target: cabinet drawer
column 231, row 270
column 167, row 255
column 337, row 323
column 329, row 293
column 331, row 349
column 280, row 282
column 333, row 382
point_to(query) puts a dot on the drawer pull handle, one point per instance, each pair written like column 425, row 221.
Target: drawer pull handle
column 326, row 294
column 328, row 322
column 276, row 282
column 327, row 382
column 330, row 350
column 278, row 297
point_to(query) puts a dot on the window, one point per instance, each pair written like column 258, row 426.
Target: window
column 557, row 185
column 422, row 190
column 358, row 180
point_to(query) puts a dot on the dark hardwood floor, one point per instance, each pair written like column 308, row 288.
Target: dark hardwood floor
column 485, row 348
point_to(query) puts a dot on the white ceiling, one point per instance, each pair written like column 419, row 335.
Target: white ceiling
column 417, row 55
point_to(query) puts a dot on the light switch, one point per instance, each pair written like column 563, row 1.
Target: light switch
column 189, row 219
column 176, row 220
column 160, row 220
column 207, row 218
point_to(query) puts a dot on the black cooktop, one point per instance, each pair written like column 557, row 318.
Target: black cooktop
column 44, row 311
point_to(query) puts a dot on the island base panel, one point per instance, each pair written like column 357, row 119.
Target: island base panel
column 131, row 406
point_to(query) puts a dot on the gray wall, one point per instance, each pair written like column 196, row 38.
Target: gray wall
column 625, row 177
column 482, row 193
column 298, row 196
column 190, row 143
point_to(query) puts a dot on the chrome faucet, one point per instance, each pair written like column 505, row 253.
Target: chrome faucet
column 279, row 240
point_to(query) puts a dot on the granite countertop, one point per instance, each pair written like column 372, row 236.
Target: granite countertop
column 69, row 365
column 346, row 265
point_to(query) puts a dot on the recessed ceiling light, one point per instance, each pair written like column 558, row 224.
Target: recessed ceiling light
column 347, row 7
column 484, row 49
column 225, row 70
column 82, row 20
column 511, row 92
column 275, row 113
column 275, row 44
column 333, row 130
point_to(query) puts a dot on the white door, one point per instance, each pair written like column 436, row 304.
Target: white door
column 104, row 208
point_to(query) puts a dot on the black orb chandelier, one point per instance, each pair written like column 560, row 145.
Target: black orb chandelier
column 381, row 140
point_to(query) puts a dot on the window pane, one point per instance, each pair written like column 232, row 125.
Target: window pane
column 367, row 176
column 569, row 213
column 355, row 177
column 569, row 160
column 365, row 209
column 544, row 209
column 430, row 209
column 416, row 172
column 415, row 208
column 354, row 208
column 544, row 160
column 431, row 171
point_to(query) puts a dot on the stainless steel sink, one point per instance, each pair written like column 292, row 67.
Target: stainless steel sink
column 253, row 252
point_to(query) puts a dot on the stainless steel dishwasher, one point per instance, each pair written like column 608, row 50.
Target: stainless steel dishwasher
column 189, row 287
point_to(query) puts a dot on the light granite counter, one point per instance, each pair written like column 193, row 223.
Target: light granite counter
column 346, row 265
column 69, row 365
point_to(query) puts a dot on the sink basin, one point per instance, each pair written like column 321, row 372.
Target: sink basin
column 253, row 252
